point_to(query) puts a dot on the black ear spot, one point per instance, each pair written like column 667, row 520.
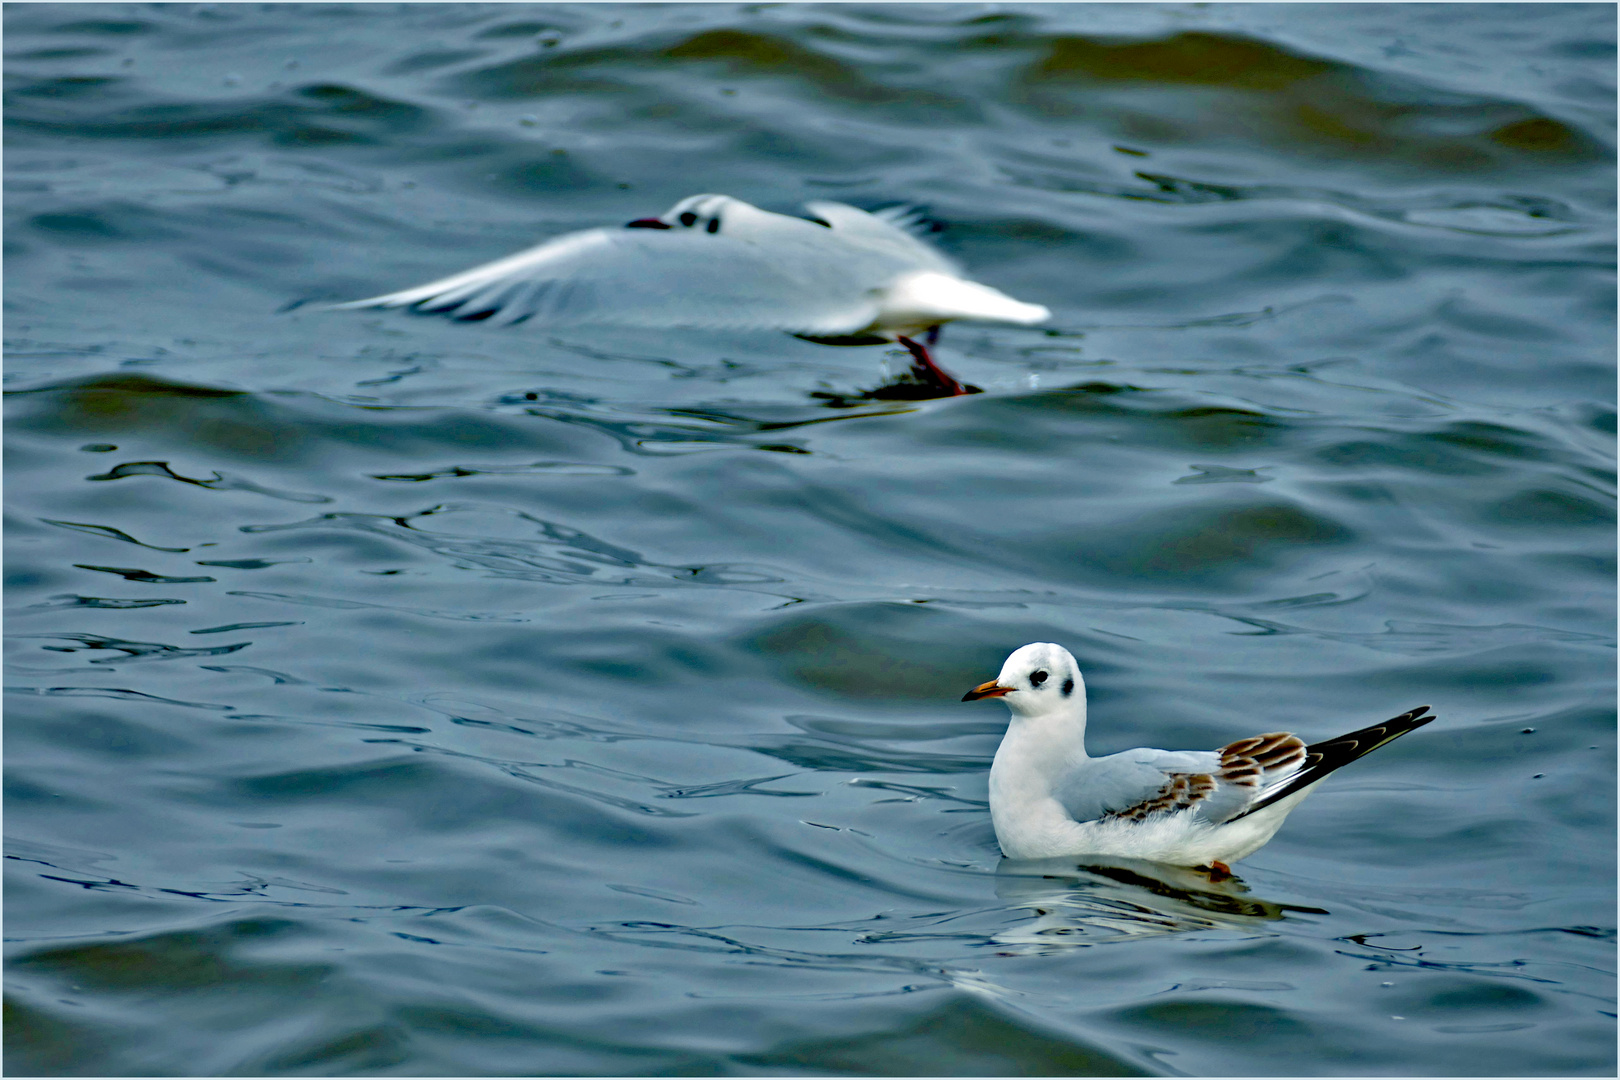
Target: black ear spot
column 688, row 218
column 713, row 226
column 1068, row 687
column 1037, row 677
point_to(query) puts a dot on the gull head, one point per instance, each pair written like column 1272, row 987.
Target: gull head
column 699, row 213
column 1037, row 680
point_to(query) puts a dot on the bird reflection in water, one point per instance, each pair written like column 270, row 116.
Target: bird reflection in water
column 1093, row 900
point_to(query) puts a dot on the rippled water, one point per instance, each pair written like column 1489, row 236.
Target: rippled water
column 389, row 696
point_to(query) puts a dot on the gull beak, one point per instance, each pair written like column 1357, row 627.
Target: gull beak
column 989, row 689
column 646, row 223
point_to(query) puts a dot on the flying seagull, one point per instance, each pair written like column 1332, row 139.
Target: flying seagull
column 1203, row 808
column 840, row 276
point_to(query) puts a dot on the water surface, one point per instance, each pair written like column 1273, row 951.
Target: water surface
column 390, row 696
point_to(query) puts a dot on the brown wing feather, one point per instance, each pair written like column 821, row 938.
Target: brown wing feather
column 1248, row 763
column 1263, row 756
column 1325, row 757
column 1261, row 760
column 1180, row 792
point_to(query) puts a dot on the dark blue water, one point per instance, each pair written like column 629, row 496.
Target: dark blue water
column 390, row 696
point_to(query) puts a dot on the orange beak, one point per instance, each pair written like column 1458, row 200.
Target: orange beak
column 989, row 689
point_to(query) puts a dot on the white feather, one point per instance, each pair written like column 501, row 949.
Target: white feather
column 716, row 261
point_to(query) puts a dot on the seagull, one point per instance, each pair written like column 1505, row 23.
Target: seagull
column 1199, row 808
column 841, row 276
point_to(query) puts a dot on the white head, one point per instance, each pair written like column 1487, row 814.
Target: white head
column 1037, row 681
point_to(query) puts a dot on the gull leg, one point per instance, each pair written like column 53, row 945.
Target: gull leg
column 923, row 366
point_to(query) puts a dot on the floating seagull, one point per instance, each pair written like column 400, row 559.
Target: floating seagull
column 842, row 277
column 1203, row 808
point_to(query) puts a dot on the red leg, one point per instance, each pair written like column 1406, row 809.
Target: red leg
column 923, row 366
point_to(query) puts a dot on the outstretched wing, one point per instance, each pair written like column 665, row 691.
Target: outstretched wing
column 783, row 278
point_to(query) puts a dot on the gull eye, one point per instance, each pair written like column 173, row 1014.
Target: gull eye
column 1037, row 677
column 688, row 218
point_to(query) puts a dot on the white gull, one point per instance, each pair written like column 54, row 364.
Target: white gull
column 843, row 276
column 1203, row 808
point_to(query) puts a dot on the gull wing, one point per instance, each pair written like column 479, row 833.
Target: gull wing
column 887, row 231
column 1221, row 785
column 1113, row 786
column 786, row 277
column 1238, row 780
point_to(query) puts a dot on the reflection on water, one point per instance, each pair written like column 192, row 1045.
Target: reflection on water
column 1090, row 902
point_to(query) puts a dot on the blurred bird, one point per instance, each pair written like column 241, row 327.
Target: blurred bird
column 841, row 276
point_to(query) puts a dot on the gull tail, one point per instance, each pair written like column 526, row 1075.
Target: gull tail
column 1325, row 757
column 930, row 297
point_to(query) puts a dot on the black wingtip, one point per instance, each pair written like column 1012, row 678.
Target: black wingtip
column 913, row 218
column 1407, row 721
column 1330, row 755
